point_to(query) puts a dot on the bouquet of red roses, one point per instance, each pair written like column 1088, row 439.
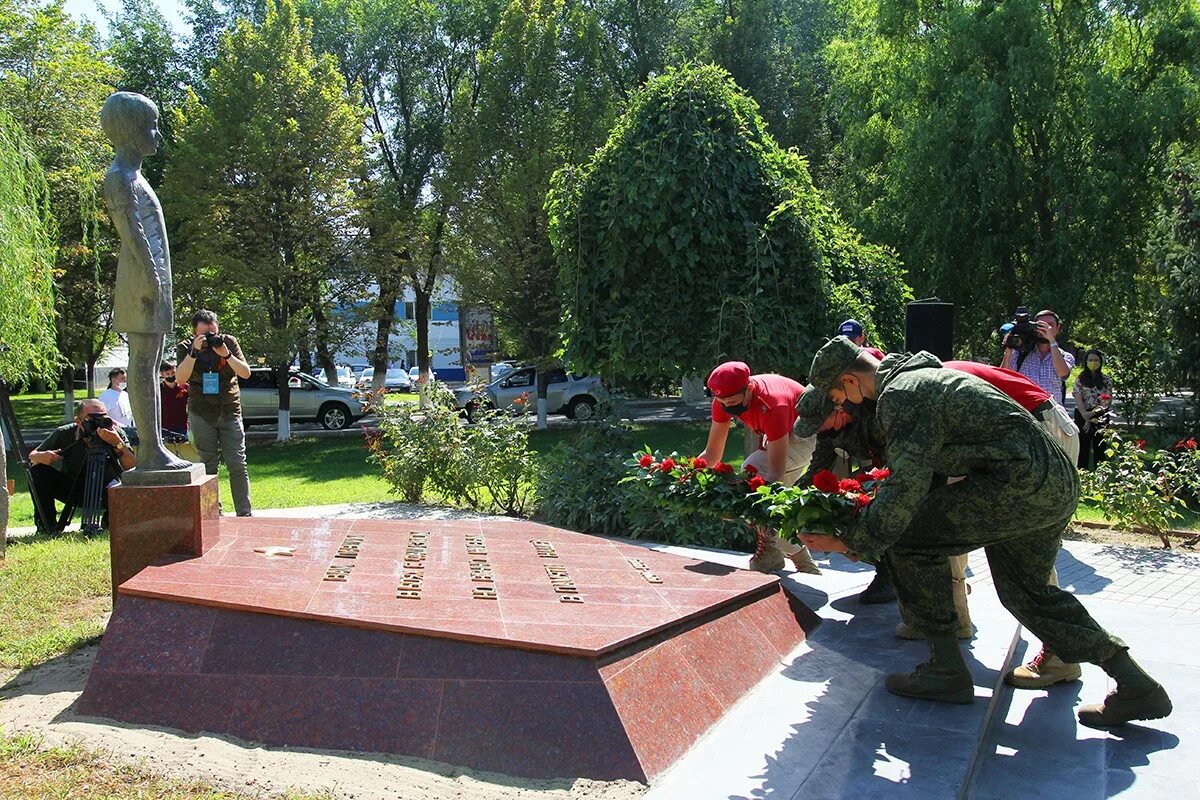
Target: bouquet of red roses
column 717, row 489
column 825, row 506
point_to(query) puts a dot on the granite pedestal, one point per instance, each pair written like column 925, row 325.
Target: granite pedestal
column 499, row 645
column 149, row 521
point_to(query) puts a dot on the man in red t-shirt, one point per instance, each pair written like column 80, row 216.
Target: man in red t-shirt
column 766, row 405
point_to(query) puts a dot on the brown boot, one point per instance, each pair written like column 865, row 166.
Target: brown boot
column 767, row 555
column 1046, row 669
column 944, row 678
column 1137, row 696
column 803, row 561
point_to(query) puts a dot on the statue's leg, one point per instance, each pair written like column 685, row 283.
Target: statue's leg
column 145, row 355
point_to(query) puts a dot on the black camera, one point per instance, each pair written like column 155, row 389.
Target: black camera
column 1024, row 334
column 96, row 421
column 214, row 340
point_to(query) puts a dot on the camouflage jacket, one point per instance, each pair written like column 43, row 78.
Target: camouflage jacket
column 937, row 421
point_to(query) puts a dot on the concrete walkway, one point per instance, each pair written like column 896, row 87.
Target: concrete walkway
column 824, row 726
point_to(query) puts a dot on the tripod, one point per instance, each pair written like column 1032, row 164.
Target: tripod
column 9, row 418
column 93, row 486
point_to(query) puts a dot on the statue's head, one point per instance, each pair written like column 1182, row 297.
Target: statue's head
column 130, row 120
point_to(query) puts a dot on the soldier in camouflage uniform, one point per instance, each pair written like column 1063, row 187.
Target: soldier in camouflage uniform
column 939, row 422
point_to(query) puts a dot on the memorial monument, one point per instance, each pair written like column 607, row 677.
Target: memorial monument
column 502, row 645
column 142, row 306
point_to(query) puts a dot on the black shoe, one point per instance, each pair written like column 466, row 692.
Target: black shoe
column 879, row 591
column 247, row 514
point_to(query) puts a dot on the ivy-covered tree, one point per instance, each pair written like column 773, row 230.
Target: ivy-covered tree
column 27, row 253
column 262, row 186
column 691, row 237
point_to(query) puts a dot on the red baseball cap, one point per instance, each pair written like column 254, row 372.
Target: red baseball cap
column 729, row 378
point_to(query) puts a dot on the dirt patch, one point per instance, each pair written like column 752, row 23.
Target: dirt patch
column 39, row 702
column 1083, row 532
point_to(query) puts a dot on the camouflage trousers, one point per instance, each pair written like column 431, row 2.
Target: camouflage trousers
column 1021, row 536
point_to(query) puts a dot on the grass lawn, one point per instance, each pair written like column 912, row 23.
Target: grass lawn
column 73, row 773
column 40, row 410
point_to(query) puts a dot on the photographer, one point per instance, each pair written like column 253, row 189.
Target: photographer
column 59, row 461
column 1031, row 348
column 210, row 364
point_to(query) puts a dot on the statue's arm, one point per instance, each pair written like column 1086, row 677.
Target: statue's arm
column 122, row 205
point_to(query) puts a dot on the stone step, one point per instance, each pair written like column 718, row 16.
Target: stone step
column 1036, row 748
column 823, row 725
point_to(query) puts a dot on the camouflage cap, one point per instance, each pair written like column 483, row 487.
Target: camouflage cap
column 835, row 358
column 812, row 409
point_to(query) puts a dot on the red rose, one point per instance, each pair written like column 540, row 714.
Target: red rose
column 1140, row 444
column 646, row 461
column 756, row 482
column 879, row 473
column 825, row 481
column 1104, row 398
column 849, row 486
column 723, row 468
column 1191, row 444
column 861, row 501
column 750, row 469
column 699, row 463
column 667, row 464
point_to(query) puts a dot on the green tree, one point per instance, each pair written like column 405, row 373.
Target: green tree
column 27, row 251
column 1008, row 150
column 411, row 58
column 262, row 184
column 543, row 101
column 53, row 80
column 691, row 237
column 1176, row 251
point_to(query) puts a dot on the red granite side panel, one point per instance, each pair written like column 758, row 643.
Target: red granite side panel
column 148, row 522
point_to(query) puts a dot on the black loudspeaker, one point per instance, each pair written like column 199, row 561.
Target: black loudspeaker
column 929, row 325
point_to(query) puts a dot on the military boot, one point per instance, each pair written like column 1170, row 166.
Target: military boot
column 943, row 678
column 1137, row 696
column 1046, row 669
column 965, row 629
column 767, row 555
column 880, row 590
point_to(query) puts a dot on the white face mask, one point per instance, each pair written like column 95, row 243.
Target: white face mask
column 121, row 386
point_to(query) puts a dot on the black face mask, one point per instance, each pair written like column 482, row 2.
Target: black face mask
column 738, row 410
column 859, row 410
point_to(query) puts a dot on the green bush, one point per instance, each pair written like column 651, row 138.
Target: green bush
column 1142, row 490
column 579, row 488
column 487, row 466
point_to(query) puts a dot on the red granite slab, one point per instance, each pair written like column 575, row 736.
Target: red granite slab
column 618, row 686
column 606, row 575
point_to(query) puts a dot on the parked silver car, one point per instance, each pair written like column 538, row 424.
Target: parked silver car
column 575, row 396
column 312, row 400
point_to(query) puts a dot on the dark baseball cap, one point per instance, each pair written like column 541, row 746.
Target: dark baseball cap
column 851, row 329
column 812, row 409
